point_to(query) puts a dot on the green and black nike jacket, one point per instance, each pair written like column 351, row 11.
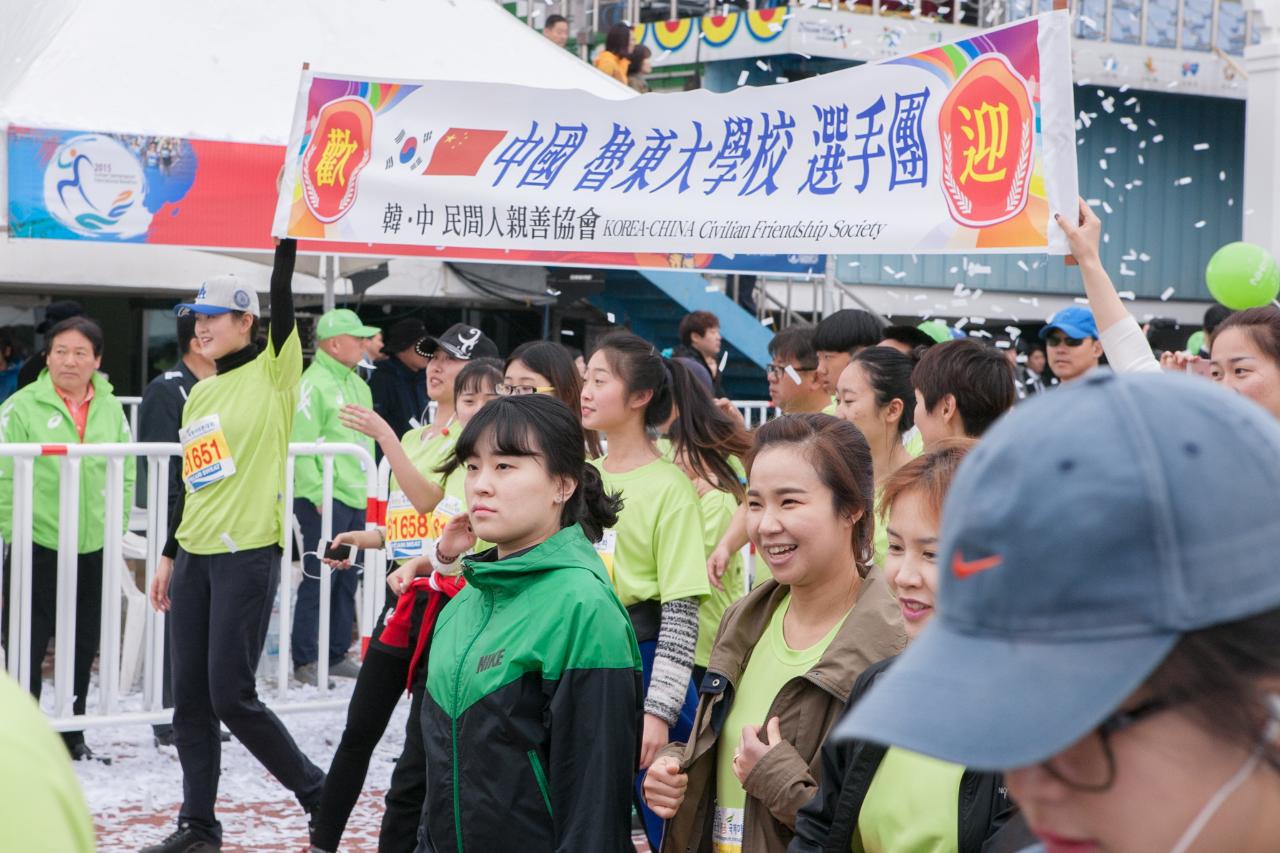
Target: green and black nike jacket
column 532, row 714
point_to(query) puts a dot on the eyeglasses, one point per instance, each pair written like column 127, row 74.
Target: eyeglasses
column 506, row 390
column 774, row 370
column 1090, row 765
column 1063, row 340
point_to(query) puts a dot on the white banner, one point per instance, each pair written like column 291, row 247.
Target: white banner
column 964, row 147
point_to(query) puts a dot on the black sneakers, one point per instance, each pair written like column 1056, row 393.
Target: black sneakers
column 184, row 840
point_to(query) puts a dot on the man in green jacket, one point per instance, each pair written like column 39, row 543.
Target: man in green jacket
column 330, row 383
column 68, row 403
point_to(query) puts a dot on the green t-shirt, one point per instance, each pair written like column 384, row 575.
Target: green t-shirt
column 717, row 511
column 41, row 807
column 655, row 552
column 772, row 664
column 243, row 417
column 409, row 533
column 881, row 537
column 831, row 409
column 911, row 807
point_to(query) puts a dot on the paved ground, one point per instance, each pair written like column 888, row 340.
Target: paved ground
column 134, row 801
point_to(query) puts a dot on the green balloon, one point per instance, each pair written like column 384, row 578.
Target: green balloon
column 1242, row 275
column 1195, row 343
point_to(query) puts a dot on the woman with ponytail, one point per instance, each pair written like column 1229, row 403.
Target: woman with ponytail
column 655, row 552
column 533, row 694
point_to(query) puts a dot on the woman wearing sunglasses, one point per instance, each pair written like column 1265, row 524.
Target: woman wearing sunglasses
column 1125, row 676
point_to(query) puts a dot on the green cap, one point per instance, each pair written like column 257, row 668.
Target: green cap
column 342, row 321
column 936, row 329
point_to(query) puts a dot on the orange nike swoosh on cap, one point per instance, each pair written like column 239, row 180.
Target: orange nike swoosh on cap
column 963, row 568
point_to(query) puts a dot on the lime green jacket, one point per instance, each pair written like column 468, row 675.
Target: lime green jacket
column 36, row 414
column 325, row 388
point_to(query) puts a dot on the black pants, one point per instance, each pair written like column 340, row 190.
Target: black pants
column 220, row 608
column 379, row 687
column 342, row 587
column 44, row 620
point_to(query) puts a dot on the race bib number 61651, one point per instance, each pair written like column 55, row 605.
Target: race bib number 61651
column 206, row 458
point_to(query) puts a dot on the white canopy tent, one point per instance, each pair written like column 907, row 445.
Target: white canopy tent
column 229, row 71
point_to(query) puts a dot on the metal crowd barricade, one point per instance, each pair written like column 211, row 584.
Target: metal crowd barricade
column 373, row 560
column 70, row 458
column 755, row 412
column 109, row 708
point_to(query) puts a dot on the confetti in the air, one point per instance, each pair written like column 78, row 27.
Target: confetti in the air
column 1168, row 292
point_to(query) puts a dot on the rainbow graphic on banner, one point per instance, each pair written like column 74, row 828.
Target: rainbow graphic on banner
column 949, row 63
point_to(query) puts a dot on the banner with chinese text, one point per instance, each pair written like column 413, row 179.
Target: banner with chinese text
column 174, row 191
column 963, row 147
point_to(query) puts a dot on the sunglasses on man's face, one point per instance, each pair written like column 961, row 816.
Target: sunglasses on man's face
column 1064, row 341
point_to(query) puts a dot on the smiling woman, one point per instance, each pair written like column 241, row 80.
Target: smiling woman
column 788, row 652
column 877, row 799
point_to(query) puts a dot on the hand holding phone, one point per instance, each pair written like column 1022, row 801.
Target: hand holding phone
column 339, row 555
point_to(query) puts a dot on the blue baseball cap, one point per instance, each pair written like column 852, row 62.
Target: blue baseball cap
column 1075, row 322
column 219, row 295
column 1076, row 549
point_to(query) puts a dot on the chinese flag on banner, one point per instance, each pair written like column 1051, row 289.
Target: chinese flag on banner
column 461, row 151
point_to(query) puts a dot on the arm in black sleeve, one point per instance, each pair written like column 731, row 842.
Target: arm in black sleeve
column 814, row 820
column 282, row 293
column 594, row 731
column 175, row 518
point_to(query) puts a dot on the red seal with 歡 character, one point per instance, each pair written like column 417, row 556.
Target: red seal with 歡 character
column 987, row 126
column 338, row 150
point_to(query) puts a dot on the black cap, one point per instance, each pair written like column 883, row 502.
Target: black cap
column 56, row 312
column 401, row 335
column 461, row 341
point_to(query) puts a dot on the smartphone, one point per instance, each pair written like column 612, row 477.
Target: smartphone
column 340, row 553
